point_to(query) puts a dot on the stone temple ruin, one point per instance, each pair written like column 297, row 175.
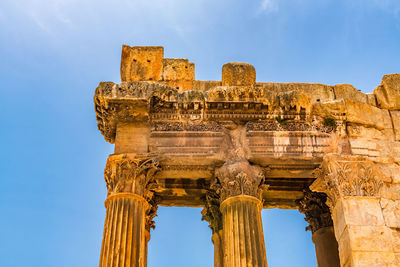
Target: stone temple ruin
column 237, row 146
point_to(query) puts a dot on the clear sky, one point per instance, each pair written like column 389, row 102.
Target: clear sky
column 53, row 54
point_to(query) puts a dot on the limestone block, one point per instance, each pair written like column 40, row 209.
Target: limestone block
column 396, row 260
column 141, row 63
column 395, row 114
column 369, row 238
column 347, row 91
column 177, row 69
column 356, row 112
column 238, row 74
column 366, row 114
column 356, row 211
column 132, row 138
column 372, row 259
column 205, row 85
column 371, row 99
column 390, row 191
column 359, row 131
column 396, row 239
column 391, row 212
column 388, row 92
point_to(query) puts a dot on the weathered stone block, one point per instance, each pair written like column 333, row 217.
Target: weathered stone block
column 372, row 259
column 388, row 92
column 356, row 211
column 395, row 114
column 132, row 138
column 238, row 74
column 356, row 112
column 396, row 239
column 347, row 91
column 391, row 212
column 141, row 63
column 368, row 238
column 177, row 69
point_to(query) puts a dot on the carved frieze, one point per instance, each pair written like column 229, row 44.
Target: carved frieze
column 313, row 206
column 180, row 126
column 239, row 178
column 341, row 176
column 126, row 174
column 278, row 124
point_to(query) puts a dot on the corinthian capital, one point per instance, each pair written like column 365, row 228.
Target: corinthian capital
column 239, row 178
column 341, row 176
column 128, row 173
column 317, row 214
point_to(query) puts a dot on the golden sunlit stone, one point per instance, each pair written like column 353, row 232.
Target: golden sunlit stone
column 236, row 146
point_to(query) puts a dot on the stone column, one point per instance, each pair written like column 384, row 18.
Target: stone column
column 129, row 214
column 240, row 186
column 317, row 214
column 352, row 185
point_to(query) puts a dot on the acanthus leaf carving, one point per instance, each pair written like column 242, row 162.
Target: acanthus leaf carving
column 211, row 212
column 239, row 178
column 313, row 206
column 125, row 174
column 341, row 176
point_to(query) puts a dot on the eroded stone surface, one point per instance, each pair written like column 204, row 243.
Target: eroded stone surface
column 388, row 92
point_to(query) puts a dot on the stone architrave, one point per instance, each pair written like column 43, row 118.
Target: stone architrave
column 130, row 208
column 352, row 185
column 240, row 186
column 317, row 214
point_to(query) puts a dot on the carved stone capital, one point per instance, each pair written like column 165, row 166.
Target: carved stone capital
column 341, row 176
column 128, row 173
column 211, row 212
column 151, row 213
column 239, row 178
column 313, row 206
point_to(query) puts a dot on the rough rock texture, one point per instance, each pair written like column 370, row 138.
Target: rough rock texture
column 388, row 92
column 184, row 142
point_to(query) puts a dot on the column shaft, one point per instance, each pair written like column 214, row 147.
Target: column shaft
column 217, row 239
column 243, row 233
column 124, row 241
column 326, row 247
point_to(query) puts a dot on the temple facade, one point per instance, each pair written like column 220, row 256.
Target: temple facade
column 237, row 146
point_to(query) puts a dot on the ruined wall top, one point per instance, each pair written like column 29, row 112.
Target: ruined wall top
column 153, row 85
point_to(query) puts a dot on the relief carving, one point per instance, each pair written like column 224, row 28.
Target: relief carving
column 341, row 176
column 317, row 214
column 239, row 178
column 211, row 212
column 124, row 174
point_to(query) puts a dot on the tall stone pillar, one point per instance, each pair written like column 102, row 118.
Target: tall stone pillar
column 129, row 211
column 352, row 185
column 317, row 214
column 240, row 186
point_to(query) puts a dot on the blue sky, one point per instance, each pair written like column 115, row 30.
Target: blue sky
column 53, row 54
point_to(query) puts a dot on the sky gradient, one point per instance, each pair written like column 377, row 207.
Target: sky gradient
column 53, row 54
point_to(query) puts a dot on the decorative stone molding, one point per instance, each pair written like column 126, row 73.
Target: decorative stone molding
column 317, row 213
column 131, row 174
column 151, row 213
column 211, row 212
column 340, row 176
column 239, row 178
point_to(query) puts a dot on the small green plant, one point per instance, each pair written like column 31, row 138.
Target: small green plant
column 281, row 121
column 330, row 122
